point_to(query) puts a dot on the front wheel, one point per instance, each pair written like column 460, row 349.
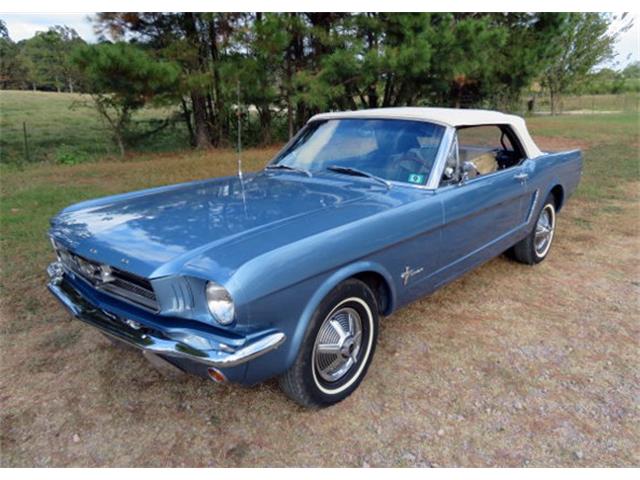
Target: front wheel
column 337, row 348
column 535, row 247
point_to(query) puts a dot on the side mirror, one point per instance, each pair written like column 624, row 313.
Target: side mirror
column 467, row 169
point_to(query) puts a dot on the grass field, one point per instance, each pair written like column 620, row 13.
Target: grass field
column 64, row 127
column 627, row 102
column 539, row 369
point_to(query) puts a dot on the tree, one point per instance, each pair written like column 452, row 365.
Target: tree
column 529, row 44
column 12, row 69
column 365, row 61
column 584, row 42
column 465, row 67
column 373, row 60
column 48, row 58
column 257, row 67
column 123, row 79
column 69, row 40
column 632, row 70
column 292, row 65
column 195, row 41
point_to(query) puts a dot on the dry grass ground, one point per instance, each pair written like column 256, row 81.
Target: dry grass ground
column 539, row 369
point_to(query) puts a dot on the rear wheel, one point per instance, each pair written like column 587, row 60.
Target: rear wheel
column 535, row 247
column 337, row 349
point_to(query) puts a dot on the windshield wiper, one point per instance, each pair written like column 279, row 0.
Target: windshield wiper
column 281, row 166
column 359, row 173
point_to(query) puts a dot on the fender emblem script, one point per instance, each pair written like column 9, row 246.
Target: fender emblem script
column 408, row 273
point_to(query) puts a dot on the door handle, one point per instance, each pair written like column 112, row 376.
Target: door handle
column 521, row 176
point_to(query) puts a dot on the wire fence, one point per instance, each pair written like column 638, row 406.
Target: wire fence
column 581, row 104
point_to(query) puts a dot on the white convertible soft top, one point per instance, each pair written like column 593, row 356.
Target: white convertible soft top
column 452, row 117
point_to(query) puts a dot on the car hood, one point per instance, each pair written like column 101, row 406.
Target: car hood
column 156, row 232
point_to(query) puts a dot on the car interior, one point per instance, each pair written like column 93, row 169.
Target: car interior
column 481, row 150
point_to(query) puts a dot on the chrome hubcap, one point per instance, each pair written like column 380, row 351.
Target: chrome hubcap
column 338, row 344
column 544, row 231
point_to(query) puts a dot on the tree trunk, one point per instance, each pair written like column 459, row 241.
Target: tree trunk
column 265, row 125
column 301, row 115
column 553, row 99
column 211, row 120
column 373, row 96
column 120, row 142
column 198, row 99
column 186, row 115
column 217, row 94
column 200, row 119
column 372, row 92
column 288, row 96
column 457, row 96
column 388, row 89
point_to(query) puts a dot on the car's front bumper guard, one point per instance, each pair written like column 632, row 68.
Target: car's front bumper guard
column 226, row 357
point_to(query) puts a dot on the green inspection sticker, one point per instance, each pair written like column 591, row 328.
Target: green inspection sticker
column 416, row 178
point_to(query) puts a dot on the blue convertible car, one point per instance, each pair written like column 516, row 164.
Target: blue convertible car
column 286, row 271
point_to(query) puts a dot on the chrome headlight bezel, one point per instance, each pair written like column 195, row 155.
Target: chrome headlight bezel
column 220, row 303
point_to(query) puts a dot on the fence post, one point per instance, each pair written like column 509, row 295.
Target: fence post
column 26, row 142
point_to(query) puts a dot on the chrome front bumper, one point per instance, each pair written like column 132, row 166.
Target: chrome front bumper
column 224, row 356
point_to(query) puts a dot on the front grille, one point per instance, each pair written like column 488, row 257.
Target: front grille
column 112, row 281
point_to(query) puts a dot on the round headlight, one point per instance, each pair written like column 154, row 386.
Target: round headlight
column 220, row 303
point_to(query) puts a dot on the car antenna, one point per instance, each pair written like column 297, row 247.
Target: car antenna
column 244, row 199
column 239, row 146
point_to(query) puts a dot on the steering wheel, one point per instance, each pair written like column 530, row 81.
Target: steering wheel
column 410, row 162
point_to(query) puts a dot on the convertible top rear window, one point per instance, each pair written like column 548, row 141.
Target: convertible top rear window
column 397, row 150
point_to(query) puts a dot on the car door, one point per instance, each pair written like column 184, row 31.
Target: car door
column 486, row 208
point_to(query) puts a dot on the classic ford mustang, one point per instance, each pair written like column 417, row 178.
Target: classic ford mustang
column 286, row 271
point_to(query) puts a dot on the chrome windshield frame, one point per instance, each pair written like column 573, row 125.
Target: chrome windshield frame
column 441, row 158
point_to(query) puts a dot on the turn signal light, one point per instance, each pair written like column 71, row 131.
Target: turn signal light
column 216, row 375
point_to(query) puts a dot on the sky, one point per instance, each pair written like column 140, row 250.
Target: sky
column 23, row 25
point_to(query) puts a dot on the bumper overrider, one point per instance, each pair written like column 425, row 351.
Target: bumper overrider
column 225, row 355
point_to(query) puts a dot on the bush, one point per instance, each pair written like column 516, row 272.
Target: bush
column 67, row 155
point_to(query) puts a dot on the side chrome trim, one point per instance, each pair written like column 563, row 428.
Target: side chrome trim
column 534, row 204
column 223, row 357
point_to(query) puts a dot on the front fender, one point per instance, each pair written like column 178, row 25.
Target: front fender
column 327, row 285
column 297, row 305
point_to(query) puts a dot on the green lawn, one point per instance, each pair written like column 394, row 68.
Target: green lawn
column 64, row 128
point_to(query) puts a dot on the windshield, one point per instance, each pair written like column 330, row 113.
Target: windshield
column 398, row 150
